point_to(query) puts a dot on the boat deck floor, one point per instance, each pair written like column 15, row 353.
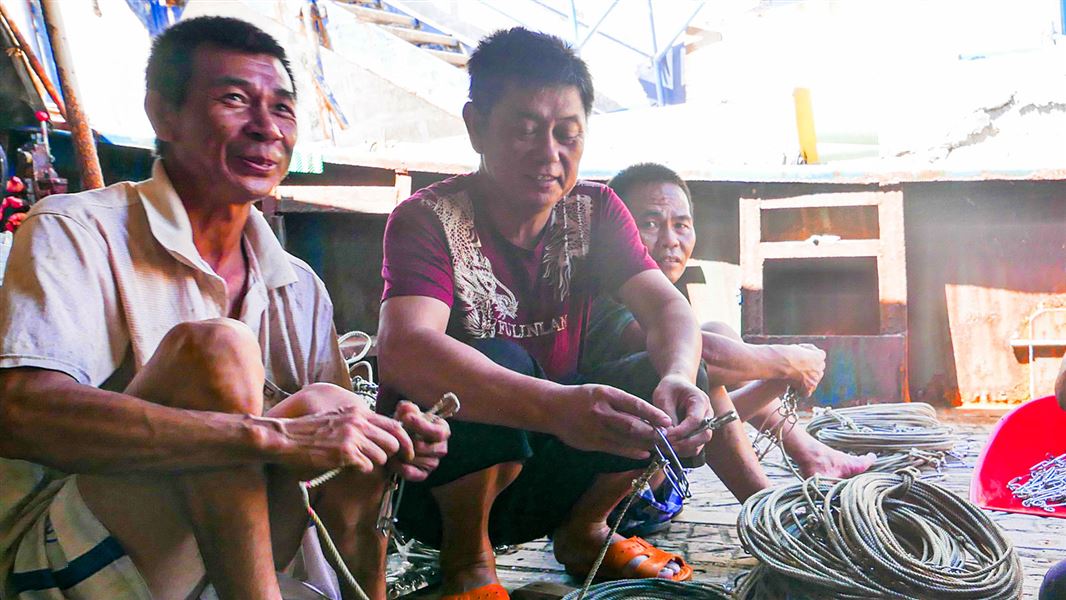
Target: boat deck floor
column 705, row 532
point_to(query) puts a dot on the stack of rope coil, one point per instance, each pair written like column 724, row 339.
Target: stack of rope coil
column 876, row 535
column 651, row 589
column 905, row 434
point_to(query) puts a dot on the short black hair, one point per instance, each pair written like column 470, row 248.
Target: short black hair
column 639, row 174
column 526, row 58
column 170, row 62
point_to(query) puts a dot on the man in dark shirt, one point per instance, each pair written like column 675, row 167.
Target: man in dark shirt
column 757, row 375
column 489, row 277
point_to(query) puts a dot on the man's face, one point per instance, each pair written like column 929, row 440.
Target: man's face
column 531, row 144
column 234, row 135
column 664, row 219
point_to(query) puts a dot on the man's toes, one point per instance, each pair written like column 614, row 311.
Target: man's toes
column 669, row 570
column 631, row 568
column 859, row 464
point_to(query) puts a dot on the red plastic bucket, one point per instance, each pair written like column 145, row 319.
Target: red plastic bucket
column 1022, row 438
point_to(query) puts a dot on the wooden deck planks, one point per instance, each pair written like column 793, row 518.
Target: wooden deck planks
column 705, row 533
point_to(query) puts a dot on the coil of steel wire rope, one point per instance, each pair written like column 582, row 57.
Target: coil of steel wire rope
column 651, row 589
column 876, row 535
column 905, row 434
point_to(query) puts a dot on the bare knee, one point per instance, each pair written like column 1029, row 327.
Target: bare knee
column 719, row 328
column 316, row 398
column 211, row 338
column 213, row 365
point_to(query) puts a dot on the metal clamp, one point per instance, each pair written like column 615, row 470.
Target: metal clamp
column 714, row 423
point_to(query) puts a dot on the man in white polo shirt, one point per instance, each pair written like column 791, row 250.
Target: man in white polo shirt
column 139, row 326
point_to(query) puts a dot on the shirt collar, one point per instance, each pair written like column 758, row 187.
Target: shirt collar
column 171, row 227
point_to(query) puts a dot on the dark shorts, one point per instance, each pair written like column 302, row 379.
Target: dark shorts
column 553, row 476
column 1054, row 584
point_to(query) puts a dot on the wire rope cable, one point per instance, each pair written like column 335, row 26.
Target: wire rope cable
column 905, row 434
column 651, row 589
column 873, row 536
column 636, row 589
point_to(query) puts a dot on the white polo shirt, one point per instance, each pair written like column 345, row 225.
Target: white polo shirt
column 96, row 279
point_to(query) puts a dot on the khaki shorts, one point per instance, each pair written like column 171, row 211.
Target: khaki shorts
column 67, row 553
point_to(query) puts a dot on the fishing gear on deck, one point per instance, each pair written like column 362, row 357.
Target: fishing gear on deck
column 874, row 536
column 1044, row 486
column 773, row 436
column 906, row 434
column 666, row 459
column 651, row 589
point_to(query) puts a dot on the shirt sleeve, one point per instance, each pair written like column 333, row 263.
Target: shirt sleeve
column 327, row 362
column 59, row 305
column 617, row 252
column 416, row 257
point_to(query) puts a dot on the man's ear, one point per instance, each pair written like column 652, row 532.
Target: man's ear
column 162, row 114
column 476, row 124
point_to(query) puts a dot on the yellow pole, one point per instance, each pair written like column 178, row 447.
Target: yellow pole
column 805, row 125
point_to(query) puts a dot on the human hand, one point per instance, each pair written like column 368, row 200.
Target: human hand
column 687, row 405
column 807, row 363
column 430, row 435
column 605, row 419
column 336, row 429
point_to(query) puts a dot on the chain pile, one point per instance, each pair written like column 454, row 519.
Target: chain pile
column 874, row 536
column 1044, row 485
column 905, row 434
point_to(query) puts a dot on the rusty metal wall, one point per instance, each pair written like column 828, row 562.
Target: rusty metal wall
column 981, row 256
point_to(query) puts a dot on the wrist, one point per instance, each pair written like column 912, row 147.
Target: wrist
column 678, row 376
column 261, row 439
column 777, row 355
column 546, row 401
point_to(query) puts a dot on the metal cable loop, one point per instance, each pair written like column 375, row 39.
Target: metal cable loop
column 651, row 589
column 876, row 535
column 902, row 435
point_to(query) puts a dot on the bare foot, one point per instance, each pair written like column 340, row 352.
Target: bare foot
column 469, row 573
column 577, row 547
column 815, row 458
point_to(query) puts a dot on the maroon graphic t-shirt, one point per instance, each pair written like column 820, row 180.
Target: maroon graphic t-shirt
column 439, row 243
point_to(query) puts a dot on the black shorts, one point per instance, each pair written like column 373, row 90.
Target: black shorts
column 553, row 477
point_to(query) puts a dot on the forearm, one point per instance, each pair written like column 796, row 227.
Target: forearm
column 422, row 364
column 673, row 340
column 75, row 428
column 732, row 362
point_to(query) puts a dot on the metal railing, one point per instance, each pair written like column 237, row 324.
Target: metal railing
column 1031, row 342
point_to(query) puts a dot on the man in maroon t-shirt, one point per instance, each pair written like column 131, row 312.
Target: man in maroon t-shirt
column 488, row 282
